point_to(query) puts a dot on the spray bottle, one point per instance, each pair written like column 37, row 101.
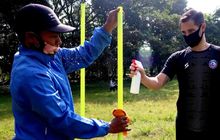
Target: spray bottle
column 136, row 79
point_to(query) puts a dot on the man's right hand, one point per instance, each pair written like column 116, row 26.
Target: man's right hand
column 134, row 68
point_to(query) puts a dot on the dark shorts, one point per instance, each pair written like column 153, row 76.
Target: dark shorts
column 113, row 88
column 182, row 134
column 186, row 134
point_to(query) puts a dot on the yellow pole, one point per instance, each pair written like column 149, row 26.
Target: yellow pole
column 82, row 71
column 120, row 62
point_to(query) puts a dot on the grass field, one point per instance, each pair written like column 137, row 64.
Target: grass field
column 152, row 112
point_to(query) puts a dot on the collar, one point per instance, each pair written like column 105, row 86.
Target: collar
column 44, row 58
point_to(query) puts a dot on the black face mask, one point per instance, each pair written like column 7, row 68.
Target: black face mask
column 193, row 39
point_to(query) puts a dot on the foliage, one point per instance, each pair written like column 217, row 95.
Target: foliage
column 213, row 30
column 8, row 39
column 151, row 22
column 7, row 50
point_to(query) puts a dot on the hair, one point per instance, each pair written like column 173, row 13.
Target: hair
column 193, row 15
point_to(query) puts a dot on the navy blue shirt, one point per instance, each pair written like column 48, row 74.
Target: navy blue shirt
column 198, row 75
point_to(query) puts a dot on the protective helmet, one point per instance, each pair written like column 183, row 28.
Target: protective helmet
column 37, row 17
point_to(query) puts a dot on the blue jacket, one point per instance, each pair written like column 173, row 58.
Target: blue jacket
column 41, row 94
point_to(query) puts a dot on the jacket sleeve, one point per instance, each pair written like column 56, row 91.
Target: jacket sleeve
column 82, row 56
column 46, row 101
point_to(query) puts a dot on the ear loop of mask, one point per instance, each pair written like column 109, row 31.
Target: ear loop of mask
column 41, row 45
column 41, row 42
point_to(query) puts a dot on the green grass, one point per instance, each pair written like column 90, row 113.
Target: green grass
column 6, row 118
column 152, row 112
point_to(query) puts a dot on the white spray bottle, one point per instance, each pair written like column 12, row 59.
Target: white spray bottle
column 136, row 79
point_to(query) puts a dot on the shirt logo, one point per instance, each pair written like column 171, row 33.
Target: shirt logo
column 186, row 65
column 213, row 64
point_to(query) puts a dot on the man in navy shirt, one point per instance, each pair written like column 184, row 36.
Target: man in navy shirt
column 197, row 68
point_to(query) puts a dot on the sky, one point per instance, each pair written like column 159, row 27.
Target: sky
column 205, row 6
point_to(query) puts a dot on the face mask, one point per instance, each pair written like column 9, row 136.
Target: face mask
column 50, row 49
column 193, row 39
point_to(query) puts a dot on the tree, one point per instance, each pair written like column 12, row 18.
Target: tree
column 213, row 30
column 151, row 23
column 8, row 39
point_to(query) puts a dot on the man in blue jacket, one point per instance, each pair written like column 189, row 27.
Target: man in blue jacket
column 41, row 95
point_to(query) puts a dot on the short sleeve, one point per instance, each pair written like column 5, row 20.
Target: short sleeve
column 170, row 66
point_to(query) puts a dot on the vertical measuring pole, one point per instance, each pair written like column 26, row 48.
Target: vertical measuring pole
column 120, row 62
column 82, row 71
